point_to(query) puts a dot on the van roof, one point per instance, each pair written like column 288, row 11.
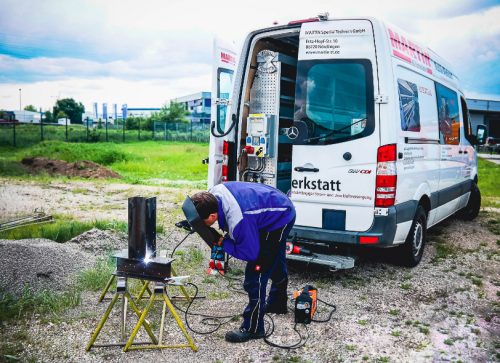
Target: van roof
column 448, row 74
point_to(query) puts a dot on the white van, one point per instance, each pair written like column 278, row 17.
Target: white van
column 367, row 131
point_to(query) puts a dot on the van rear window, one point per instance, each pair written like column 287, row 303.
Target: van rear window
column 333, row 101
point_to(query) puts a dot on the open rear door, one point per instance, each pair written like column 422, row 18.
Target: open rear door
column 224, row 65
column 334, row 163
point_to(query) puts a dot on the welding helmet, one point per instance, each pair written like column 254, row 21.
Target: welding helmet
column 196, row 222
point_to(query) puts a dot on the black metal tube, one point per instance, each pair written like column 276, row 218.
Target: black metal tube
column 141, row 227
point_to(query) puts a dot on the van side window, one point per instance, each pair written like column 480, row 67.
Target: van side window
column 449, row 121
column 409, row 107
column 224, row 87
column 467, row 123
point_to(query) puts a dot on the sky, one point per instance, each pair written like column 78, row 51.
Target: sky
column 144, row 53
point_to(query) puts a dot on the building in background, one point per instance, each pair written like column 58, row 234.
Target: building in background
column 485, row 112
column 27, row 117
column 198, row 105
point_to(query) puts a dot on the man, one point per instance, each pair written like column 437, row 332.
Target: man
column 257, row 219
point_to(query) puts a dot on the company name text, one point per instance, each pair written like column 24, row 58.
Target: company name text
column 316, row 184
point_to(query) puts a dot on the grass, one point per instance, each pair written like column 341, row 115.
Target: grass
column 489, row 184
column 62, row 229
column 95, row 278
column 148, row 162
column 42, row 302
column 424, row 330
column 406, row 286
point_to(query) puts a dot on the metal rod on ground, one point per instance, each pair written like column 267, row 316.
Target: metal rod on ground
column 25, row 221
column 87, row 129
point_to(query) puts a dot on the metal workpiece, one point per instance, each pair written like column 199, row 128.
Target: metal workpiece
column 152, row 268
column 141, row 227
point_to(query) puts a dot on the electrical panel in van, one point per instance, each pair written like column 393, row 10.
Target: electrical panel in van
column 271, row 112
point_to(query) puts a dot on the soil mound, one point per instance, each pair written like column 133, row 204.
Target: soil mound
column 40, row 264
column 82, row 169
column 100, row 242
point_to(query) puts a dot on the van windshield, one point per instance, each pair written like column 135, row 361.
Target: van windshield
column 334, row 101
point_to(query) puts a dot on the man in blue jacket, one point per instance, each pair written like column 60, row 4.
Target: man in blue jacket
column 257, row 219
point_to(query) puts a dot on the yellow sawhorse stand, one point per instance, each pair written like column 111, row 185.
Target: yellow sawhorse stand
column 158, row 294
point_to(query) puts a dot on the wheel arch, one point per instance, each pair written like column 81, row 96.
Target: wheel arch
column 422, row 195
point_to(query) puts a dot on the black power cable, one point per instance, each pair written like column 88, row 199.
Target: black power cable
column 210, row 320
column 216, row 322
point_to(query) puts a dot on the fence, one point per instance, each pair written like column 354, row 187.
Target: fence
column 20, row 134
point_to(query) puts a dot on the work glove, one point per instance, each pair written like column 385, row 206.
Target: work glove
column 217, row 256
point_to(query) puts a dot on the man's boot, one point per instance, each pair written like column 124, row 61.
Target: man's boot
column 241, row 335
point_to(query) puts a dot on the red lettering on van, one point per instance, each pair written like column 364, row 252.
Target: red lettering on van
column 407, row 50
column 227, row 58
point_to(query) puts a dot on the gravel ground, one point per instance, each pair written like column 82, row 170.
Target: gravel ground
column 445, row 309
column 39, row 263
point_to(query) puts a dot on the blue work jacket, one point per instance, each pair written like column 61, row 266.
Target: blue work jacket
column 247, row 209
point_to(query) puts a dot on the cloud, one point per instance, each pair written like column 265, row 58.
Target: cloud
column 136, row 93
column 157, row 42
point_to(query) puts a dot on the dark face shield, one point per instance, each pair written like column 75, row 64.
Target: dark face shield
column 196, row 222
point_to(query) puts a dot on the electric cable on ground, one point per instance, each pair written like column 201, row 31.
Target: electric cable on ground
column 212, row 320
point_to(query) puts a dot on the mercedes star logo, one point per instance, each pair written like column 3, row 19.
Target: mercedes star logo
column 292, row 132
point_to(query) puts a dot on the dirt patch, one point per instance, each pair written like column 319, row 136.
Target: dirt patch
column 82, row 169
column 87, row 200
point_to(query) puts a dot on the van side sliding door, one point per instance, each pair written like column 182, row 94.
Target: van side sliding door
column 450, row 158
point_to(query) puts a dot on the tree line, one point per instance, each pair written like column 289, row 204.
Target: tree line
column 73, row 110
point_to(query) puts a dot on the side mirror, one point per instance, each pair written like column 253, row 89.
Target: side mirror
column 481, row 134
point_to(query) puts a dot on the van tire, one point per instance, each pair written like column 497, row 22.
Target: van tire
column 412, row 250
column 471, row 210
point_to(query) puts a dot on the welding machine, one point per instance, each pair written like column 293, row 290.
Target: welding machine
column 305, row 304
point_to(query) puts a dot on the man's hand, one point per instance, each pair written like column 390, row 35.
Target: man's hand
column 217, row 237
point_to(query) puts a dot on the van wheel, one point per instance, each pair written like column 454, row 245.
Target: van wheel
column 471, row 210
column 413, row 248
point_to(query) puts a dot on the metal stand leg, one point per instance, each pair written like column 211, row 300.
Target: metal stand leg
column 183, row 289
column 179, row 321
column 106, row 289
column 121, row 290
column 159, row 290
column 101, row 323
column 145, row 287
